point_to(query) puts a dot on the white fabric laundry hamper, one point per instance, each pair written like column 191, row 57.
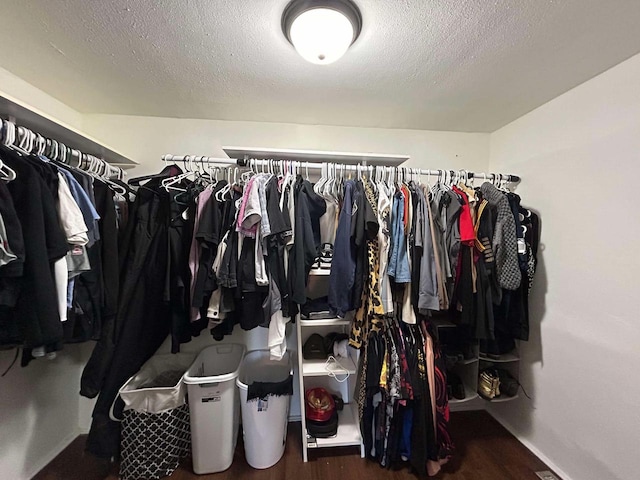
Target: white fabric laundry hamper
column 155, row 432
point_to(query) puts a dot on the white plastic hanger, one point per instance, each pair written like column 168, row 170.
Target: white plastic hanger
column 10, row 133
column 227, row 188
column 325, row 182
column 169, row 183
column 334, row 368
column 245, row 176
column 317, row 187
column 6, row 172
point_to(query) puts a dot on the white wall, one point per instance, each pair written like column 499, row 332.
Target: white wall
column 38, row 404
column 579, row 156
column 14, row 88
column 38, row 411
column 146, row 139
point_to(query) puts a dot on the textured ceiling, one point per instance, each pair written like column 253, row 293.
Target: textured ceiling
column 471, row 65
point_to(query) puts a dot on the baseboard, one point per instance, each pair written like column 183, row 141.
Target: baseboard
column 44, row 461
column 535, row 450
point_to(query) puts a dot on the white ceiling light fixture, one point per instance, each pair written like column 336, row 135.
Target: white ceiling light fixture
column 321, row 30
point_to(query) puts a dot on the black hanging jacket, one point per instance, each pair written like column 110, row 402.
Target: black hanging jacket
column 34, row 320
column 143, row 319
column 309, row 207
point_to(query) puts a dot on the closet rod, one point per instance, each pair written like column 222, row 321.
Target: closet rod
column 244, row 162
column 32, row 142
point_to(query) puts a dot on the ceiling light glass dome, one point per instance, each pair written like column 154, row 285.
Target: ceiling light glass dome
column 321, row 31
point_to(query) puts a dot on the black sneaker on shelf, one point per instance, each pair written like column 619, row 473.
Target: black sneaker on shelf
column 468, row 352
column 505, row 344
column 489, row 349
column 508, row 385
column 455, row 387
column 450, row 360
column 325, row 255
column 452, row 356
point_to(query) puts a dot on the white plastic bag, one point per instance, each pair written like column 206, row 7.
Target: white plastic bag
column 158, row 386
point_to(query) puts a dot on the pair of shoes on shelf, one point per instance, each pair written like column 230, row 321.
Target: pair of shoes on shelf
column 489, row 349
column 455, row 387
column 452, row 358
column 468, row 352
column 508, row 385
column 316, row 309
column 494, row 348
column 489, row 384
column 325, row 255
column 318, row 347
column 454, row 354
column 494, row 382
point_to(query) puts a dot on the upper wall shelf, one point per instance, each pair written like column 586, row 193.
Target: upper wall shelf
column 346, row 158
column 46, row 126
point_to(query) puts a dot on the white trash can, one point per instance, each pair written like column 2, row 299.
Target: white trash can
column 213, row 406
column 264, row 421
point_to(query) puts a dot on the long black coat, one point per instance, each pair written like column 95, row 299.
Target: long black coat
column 143, row 319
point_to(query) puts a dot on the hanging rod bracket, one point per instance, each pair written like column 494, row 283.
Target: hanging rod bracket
column 243, row 162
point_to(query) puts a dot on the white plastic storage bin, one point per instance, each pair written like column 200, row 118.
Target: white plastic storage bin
column 213, row 405
column 264, row 422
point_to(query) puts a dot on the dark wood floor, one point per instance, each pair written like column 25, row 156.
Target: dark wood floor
column 485, row 451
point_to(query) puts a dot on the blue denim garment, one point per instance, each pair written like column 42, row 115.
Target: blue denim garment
column 405, row 438
column 70, row 285
column 398, row 259
column 343, row 263
column 87, row 208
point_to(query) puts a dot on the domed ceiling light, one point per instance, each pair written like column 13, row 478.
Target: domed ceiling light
column 321, row 30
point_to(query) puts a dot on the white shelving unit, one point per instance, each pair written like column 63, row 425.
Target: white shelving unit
column 469, row 361
column 320, row 272
column 469, row 370
column 318, row 368
column 315, row 373
column 507, row 357
column 348, row 431
column 509, row 362
column 502, row 398
column 469, row 395
column 325, row 322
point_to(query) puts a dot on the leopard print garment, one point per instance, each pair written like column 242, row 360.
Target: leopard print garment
column 368, row 317
column 361, row 384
